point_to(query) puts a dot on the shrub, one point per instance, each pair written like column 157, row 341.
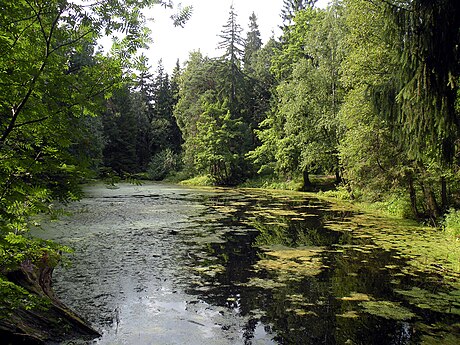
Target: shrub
column 452, row 223
column 162, row 164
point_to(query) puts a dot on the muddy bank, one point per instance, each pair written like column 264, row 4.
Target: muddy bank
column 50, row 323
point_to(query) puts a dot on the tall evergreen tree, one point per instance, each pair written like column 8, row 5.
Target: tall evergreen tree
column 425, row 90
column 198, row 80
column 121, row 129
column 253, row 41
column 233, row 45
column 291, row 7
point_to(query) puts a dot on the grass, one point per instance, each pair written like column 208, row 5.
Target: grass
column 452, row 224
column 203, row 180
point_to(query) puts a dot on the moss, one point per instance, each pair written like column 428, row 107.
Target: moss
column 210, row 271
column 438, row 334
column 268, row 284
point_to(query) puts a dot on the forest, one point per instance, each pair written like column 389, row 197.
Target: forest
column 360, row 98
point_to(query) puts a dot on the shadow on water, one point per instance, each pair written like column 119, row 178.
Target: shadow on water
column 310, row 284
column 171, row 265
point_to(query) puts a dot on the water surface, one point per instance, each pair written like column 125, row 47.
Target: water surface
column 163, row 264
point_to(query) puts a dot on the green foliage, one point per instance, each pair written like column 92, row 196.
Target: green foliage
column 53, row 82
column 425, row 39
column 381, row 160
column 138, row 122
column 163, row 164
column 13, row 297
column 301, row 133
column 16, row 249
column 340, row 192
column 182, row 15
column 209, row 113
column 203, row 180
column 452, row 223
column 232, row 42
column 253, row 43
column 220, row 144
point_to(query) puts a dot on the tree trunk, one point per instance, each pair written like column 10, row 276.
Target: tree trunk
column 338, row 175
column 55, row 324
column 443, row 194
column 306, row 181
column 431, row 203
column 412, row 195
column 430, row 199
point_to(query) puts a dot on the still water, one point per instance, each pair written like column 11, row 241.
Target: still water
column 164, row 264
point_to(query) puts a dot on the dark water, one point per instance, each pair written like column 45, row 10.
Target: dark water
column 159, row 264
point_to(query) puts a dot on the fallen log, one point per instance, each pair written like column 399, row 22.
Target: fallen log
column 53, row 323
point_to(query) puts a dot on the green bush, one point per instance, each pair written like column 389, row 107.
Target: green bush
column 340, row 192
column 398, row 206
column 452, row 223
column 162, row 164
column 203, row 180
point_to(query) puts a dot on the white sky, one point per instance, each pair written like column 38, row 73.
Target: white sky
column 202, row 30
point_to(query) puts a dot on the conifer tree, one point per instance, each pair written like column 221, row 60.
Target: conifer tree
column 422, row 97
column 233, row 45
column 291, row 7
column 253, row 41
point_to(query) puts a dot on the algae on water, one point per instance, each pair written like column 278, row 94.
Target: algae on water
column 440, row 302
column 292, row 262
column 387, row 310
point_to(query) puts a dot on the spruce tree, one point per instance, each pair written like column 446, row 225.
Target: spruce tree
column 253, row 41
column 423, row 94
column 233, row 45
column 291, row 7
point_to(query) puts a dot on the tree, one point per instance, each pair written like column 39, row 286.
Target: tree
column 219, row 140
column 302, row 129
column 259, row 84
column 253, row 42
column 53, row 80
column 121, row 129
column 385, row 155
column 291, row 7
column 233, row 44
column 425, row 90
column 199, row 77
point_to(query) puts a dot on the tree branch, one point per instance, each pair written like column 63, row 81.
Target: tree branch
column 16, row 110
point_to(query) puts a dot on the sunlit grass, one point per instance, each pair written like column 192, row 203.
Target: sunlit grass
column 203, row 180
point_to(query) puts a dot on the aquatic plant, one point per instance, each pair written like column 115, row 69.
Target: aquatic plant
column 387, row 310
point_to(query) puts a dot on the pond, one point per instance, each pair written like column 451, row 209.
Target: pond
column 165, row 264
